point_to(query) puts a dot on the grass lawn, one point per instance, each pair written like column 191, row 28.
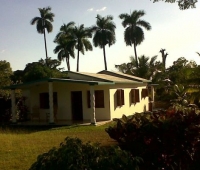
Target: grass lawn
column 19, row 148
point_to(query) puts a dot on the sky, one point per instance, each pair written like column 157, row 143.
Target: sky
column 173, row 29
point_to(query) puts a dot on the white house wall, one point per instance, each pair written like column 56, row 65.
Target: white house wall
column 64, row 100
column 128, row 108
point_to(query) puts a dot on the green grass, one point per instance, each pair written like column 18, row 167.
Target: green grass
column 20, row 147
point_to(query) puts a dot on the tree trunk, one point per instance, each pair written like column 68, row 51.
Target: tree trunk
column 104, row 54
column 77, row 68
column 67, row 62
column 45, row 46
column 67, row 59
column 136, row 58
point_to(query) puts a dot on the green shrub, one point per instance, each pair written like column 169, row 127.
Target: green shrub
column 74, row 155
column 163, row 139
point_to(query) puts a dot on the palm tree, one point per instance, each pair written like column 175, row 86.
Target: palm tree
column 44, row 22
column 80, row 36
column 164, row 56
column 65, row 43
column 133, row 33
column 65, row 49
column 65, row 30
column 146, row 67
column 104, row 33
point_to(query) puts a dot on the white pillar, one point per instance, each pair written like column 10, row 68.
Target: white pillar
column 92, row 104
column 51, row 116
column 13, row 106
column 152, row 96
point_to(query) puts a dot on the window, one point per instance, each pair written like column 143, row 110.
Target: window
column 120, row 97
column 145, row 93
column 44, row 100
column 135, row 97
column 99, row 98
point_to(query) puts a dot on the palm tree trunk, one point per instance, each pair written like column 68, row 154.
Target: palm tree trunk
column 77, row 68
column 67, row 62
column 45, row 47
column 136, row 58
column 104, row 54
column 67, row 59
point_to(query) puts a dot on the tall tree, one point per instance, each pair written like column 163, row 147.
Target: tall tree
column 65, row 43
column 80, row 35
column 104, row 33
column 164, row 57
column 44, row 22
column 133, row 34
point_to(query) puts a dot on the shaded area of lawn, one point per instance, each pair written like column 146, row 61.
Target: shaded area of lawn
column 20, row 146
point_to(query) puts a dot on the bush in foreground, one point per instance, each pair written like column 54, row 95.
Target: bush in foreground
column 164, row 139
column 74, row 155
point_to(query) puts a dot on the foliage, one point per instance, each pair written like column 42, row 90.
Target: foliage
column 104, row 33
column 147, row 67
column 163, row 139
column 181, row 95
column 39, row 70
column 183, row 4
column 5, row 73
column 74, row 155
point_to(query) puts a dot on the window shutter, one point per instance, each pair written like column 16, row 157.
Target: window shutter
column 41, row 100
column 122, row 97
column 144, row 93
column 132, row 96
column 137, row 95
column 118, row 98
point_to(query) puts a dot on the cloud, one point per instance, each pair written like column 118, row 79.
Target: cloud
column 91, row 9
column 2, row 51
column 102, row 9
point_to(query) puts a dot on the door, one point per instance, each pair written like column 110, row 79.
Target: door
column 76, row 103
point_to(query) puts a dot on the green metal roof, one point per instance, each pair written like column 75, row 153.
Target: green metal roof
column 15, row 86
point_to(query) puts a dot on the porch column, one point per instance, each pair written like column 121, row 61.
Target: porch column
column 13, row 106
column 152, row 95
column 92, row 104
column 51, row 117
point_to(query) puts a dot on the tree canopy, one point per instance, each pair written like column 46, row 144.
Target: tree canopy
column 5, row 73
column 183, row 4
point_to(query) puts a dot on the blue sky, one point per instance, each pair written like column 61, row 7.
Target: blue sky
column 175, row 30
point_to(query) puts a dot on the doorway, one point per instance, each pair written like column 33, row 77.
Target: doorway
column 77, row 107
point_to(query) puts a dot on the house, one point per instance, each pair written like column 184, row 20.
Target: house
column 85, row 96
